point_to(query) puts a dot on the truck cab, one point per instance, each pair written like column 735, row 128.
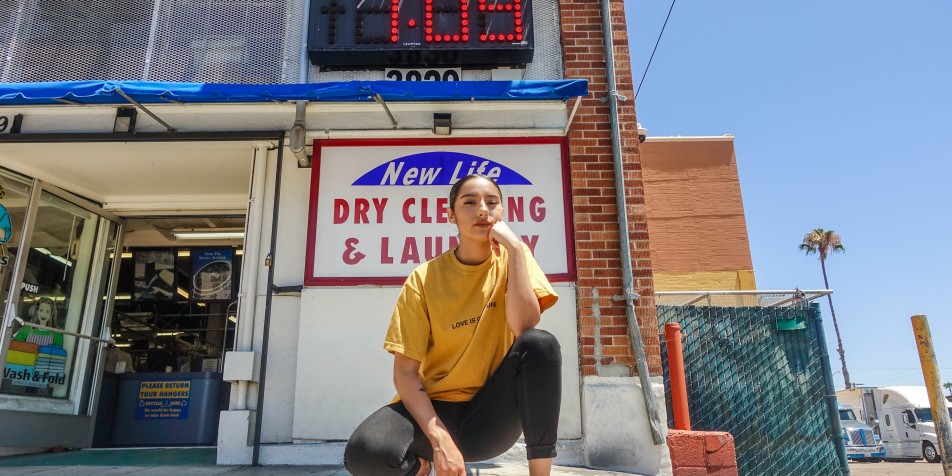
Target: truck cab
column 861, row 443
column 906, row 424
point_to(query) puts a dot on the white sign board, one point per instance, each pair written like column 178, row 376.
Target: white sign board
column 378, row 207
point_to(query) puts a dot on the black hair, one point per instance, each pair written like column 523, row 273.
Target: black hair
column 454, row 192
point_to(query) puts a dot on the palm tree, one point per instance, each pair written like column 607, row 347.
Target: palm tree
column 824, row 242
column 948, row 386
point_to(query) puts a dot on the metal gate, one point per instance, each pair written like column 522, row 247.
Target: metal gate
column 756, row 366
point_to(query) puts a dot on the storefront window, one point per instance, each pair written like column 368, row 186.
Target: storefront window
column 40, row 359
column 14, row 199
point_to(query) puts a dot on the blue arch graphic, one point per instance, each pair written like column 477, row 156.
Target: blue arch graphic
column 437, row 168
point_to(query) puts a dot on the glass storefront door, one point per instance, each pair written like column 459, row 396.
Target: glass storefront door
column 60, row 257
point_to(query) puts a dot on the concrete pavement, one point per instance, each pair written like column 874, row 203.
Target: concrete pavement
column 201, row 462
column 209, row 470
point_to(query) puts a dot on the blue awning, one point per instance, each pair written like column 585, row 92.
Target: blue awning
column 150, row 92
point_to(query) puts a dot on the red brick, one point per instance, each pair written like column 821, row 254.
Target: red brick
column 720, row 449
column 686, row 448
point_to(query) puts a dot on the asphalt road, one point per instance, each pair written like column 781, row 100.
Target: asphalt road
column 919, row 468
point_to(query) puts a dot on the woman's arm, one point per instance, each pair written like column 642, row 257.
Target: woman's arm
column 522, row 306
column 446, row 456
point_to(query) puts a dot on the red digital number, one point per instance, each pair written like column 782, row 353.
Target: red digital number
column 431, row 34
column 489, row 31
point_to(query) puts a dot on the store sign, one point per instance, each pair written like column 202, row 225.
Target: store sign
column 211, row 274
column 163, row 400
column 33, row 365
column 415, row 33
column 378, row 207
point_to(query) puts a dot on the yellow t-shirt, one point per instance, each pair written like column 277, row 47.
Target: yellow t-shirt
column 451, row 317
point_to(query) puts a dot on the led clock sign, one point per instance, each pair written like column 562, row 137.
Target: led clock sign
column 394, row 33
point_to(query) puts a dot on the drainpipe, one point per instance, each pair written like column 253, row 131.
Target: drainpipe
column 266, row 331
column 249, row 270
column 297, row 141
column 634, row 330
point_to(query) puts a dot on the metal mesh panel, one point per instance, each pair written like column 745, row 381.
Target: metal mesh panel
column 233, row 41
column 738, row 298
column 765, row 386
column 220, row 41
column 546, row 60
column 54, row 40
column 8, row 24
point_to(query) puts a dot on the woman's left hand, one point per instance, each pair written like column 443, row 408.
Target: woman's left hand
column 501, row 234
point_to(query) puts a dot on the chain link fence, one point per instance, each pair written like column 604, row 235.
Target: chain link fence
column 756, row 366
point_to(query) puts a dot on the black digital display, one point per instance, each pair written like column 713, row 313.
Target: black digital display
column 411, row 33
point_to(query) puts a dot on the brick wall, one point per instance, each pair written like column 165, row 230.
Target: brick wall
column 695, row 207
column 604, row 342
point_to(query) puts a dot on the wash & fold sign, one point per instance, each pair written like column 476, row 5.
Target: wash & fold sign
column 378, row 207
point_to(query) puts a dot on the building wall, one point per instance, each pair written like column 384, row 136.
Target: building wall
column 696, row 215
column 605, row 345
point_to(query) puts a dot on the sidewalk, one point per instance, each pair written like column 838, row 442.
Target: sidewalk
column 200, row 462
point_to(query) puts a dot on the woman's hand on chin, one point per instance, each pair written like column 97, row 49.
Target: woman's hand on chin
column 501, row 235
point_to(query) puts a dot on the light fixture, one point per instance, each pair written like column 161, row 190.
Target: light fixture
column 208, row 233
column 442, row 123
column 123, row 345
column 125, row 119
column 233, row 319
column 52, row 256
column 168, row 334
column 642, row 132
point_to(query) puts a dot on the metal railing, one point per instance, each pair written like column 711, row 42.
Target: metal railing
column 759, row 298
column 23, row 323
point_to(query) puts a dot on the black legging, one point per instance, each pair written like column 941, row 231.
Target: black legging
column 522, row 396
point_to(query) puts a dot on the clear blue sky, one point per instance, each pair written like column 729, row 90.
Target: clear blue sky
column 841, row 112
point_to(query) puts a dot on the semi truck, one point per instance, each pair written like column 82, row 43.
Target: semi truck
column 862, row 444
column 901, row 417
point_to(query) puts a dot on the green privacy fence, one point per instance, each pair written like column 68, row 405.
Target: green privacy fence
column 762, row 374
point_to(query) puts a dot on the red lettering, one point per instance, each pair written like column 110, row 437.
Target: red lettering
column 531, row 242
column 515, row 208
column 424, row 217
column 379, row 204
column 454, row 242
column 341, row 211
column 361, row 207
column 537, row 209
column 432, row 247
column 410, row 252
column 406, row 210
column 385, row 257
column 351, row 256
column 441, row 213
